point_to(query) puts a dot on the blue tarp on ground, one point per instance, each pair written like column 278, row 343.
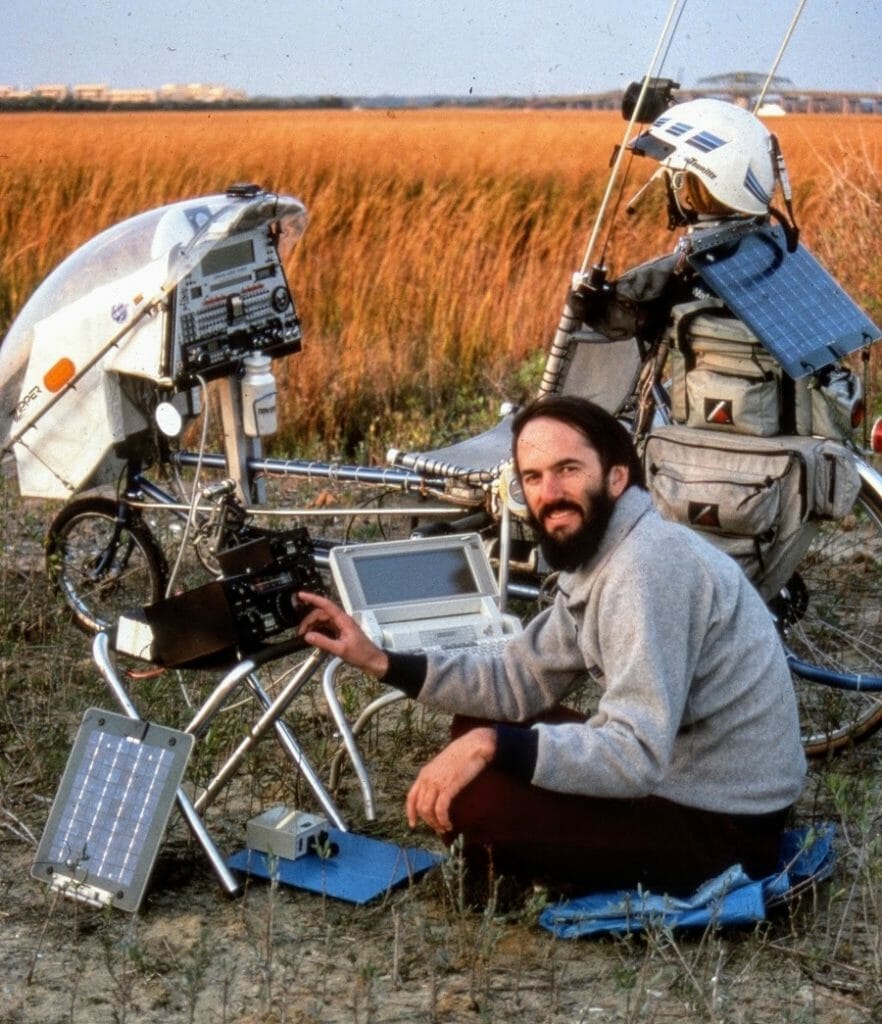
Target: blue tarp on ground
column 360, row 870
column 728, row 900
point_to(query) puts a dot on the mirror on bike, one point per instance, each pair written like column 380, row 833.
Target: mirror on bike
column 168, row 419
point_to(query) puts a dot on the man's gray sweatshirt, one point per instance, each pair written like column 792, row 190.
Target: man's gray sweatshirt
column 696, row 705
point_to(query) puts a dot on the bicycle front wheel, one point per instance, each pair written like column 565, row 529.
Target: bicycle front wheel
column 831, row 614
column 101, row 566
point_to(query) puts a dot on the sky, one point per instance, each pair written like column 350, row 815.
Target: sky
column 431, row 47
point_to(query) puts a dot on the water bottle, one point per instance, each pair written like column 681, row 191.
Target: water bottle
column 258, row 396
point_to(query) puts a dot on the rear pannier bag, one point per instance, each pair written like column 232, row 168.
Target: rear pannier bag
column 722, row 378
column 758, row 499
column 825, row 403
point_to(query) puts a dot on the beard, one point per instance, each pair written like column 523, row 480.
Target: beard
column 569, row 553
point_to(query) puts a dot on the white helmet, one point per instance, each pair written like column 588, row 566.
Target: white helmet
column 726, row 148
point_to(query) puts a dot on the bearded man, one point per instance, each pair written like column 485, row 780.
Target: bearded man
column 692, row 759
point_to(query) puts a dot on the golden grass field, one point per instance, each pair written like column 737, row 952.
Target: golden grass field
column 440, row 243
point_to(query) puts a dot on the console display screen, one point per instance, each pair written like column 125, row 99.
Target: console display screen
column 228, row 257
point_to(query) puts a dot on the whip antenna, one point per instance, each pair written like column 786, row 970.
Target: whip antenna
column 777, row 60
column 790, row 228
column 569, row 320
column 592, row 241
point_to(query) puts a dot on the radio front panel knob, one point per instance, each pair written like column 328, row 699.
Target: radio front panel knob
column 281, row 299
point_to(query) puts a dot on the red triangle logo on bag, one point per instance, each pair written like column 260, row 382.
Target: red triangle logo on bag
column 704, row 514
column 718, row 411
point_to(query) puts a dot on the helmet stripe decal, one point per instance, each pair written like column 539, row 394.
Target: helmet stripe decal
column 706, row 142
column 755, row 189
column 678, row 128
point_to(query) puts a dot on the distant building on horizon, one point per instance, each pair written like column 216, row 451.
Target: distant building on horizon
column 51, row 92
column 779, row 96
column 102, row 93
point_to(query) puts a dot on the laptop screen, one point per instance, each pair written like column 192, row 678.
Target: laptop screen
column 414, row 575
column 421, row 575
column 422, row 593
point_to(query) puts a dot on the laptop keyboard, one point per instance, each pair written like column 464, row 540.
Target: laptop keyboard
column 450, row 636
column 484, row 645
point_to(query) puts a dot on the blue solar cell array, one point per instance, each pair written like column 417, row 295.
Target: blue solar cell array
column 111, row 809
column 787, row 299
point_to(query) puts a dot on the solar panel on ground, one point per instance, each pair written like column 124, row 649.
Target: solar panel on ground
column 111, row 809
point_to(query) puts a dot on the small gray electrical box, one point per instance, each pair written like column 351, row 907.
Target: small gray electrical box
column 283, row 832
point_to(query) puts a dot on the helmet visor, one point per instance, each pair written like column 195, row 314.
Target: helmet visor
column 646, row 144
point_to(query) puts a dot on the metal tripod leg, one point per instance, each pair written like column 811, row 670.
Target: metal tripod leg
column 273, row 710
column 295, row 752
column 101, row 655
column 348, row 734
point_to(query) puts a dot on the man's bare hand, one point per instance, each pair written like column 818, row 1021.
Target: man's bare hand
column 446, row 775
column 329, row 628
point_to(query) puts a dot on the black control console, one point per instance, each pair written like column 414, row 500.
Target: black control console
column 251, row 605
column 260, row 580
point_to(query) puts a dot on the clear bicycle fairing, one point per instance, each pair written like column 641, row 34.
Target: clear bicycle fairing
column 106, row 313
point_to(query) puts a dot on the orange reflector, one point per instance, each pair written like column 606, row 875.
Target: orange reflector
column 857, row 413
column 876, row 437
column 58, row 375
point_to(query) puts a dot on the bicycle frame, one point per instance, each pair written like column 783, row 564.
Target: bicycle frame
column 143, row 494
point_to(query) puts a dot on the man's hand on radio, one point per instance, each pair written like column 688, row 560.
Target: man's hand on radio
column 329, row 628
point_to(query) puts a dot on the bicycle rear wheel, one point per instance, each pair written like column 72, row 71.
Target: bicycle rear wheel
column 102, row 567
column 831, row 617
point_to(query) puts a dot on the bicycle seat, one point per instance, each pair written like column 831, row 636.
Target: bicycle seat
column 476, row 461
column 590, row 364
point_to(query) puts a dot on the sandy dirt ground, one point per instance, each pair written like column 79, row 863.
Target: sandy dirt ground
column 275, row 953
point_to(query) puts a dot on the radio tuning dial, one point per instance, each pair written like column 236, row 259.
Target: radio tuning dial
column 280, row 299
column 285, row 610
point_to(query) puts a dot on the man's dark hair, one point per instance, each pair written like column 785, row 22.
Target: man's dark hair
column 611, row 440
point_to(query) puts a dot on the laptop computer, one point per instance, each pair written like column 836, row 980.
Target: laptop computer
column 427, row 593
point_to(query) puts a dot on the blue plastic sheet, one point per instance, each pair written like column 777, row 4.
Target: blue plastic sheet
column 360, row 870
column 731, row 899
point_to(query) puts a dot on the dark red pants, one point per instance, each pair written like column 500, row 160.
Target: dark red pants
column 594, row 844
